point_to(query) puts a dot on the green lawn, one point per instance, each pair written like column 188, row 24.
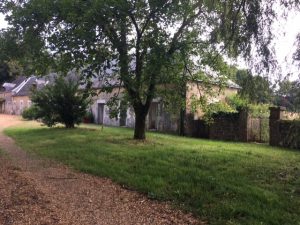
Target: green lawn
column 223, row 182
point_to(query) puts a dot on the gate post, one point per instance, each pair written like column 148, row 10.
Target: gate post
column 276, row 114
column 243, row 125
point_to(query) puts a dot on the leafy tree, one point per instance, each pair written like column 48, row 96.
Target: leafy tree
column 61, row 102
column 147, row 43
column 4, row 73
column 9, row 71
column 288, row 94
column 256, row 89
column 296, row 55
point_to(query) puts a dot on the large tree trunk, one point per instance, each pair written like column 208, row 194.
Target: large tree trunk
column 69, row 125
column 140, row 126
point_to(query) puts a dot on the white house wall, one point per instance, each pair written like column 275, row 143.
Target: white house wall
column 103, row 98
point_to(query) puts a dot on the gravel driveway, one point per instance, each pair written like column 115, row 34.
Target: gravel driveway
column 35, row 191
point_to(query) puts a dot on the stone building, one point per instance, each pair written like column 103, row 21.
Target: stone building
column 158, row 118
column 16, row 95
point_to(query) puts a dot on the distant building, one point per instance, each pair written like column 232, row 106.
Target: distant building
column 16, row 95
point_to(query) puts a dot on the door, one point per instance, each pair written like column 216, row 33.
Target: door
column 153, row 116
column 100, row 113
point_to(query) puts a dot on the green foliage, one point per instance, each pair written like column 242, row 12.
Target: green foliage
column 28, row 53
column 296, row 55
column 9, row 71
column 216, row 108
column 288, row 94
column 89, row 117
column 256, row 89
column 61, row 102
column 222, row 182
column 237, row 102
column 290, row 133
column 30, row 113
column 259, row 110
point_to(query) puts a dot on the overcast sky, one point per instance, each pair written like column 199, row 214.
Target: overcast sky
column 284, row 45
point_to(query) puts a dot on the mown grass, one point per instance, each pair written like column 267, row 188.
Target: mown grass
column 223, row 182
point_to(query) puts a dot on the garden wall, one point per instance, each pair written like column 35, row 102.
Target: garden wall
column 239, row 126
column 230, row 127
column 284, row 128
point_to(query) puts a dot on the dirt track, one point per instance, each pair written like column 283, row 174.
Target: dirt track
column 35, row 191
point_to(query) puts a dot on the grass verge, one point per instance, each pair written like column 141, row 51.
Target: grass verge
column 223, row 182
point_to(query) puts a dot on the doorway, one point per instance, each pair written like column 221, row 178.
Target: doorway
column 100, row 113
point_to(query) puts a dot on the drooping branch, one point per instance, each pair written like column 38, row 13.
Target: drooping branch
column 185, row 23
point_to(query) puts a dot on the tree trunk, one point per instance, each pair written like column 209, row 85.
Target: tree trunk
column 140, row 126
column 69, row 125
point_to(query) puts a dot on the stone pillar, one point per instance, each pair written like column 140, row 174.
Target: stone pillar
column 276, row 114
column 243, row 125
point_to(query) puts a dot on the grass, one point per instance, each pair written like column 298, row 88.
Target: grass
column 223, row 182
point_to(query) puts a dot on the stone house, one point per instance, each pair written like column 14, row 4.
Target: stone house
column 16, row 95
column 158, row 118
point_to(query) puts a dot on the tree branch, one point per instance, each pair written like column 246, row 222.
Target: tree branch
column 186, row 22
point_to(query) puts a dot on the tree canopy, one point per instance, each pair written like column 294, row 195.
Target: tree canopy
column 256, row 89
column 288, row 94
column 142, row 43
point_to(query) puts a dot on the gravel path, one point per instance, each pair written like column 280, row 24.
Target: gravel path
column 35, row 191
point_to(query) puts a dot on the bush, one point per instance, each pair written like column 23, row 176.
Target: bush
column 30, row 113
column 89, row 117
column 237, row 102
column 61, row 102
column 256, row 110
column 216, row 108
column 259, row 110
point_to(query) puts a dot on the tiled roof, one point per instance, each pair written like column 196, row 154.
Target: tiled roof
column 24, row 88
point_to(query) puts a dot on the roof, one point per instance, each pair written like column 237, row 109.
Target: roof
column 8, row 86
column 18, row 80
column 231, row 84
column 24, row 88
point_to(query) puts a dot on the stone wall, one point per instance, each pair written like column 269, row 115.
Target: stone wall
column 230, row 127
column 19, row 104
column 284, row 132
column 7, row 105
column 14, row 104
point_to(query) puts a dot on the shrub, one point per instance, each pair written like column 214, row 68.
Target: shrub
column 256, row 110
column 237, row 102
column 216, row 108
column 30, row 113
column 89, row 117
column 61, row 102
column 259, row 110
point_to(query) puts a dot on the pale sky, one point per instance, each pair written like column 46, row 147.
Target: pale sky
column 284, row 45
